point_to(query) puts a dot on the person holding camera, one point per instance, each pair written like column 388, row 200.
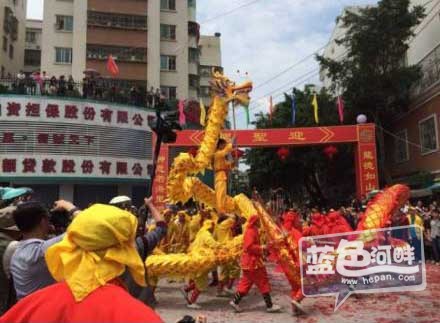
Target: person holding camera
column 87, row 264
column 28, row 266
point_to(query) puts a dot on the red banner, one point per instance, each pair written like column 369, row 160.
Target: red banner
column 362, row 136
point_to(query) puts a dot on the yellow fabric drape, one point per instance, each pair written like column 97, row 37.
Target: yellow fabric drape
column 202, row 113
column 315, row 108
column 99, row 245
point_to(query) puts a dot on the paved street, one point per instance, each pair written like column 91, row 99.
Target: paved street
column 381, row 308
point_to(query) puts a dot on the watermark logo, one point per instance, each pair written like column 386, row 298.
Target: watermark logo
column 384, row 260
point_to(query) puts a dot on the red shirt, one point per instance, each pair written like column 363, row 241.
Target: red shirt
column 252, row 257
column 109, row 303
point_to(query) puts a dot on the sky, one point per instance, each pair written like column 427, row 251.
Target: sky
column 262, row 38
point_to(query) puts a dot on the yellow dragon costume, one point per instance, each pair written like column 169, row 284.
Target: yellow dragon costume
column 183, row 185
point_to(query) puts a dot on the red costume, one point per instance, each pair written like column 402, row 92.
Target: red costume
column 336, row 223
column 252, row 264
column 317, row 225
column 109, row 303
column 290, row 220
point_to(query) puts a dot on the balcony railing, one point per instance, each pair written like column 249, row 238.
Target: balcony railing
column 430, row 67
column 98, row 89
column 120, row 21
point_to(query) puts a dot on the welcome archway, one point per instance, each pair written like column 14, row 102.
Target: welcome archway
column 362, row 137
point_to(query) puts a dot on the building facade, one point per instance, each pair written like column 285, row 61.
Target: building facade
column 32, row 49
column 73, row 149
column 210, row 58
column 155, row 43
column 413, row 141
column 12, row 36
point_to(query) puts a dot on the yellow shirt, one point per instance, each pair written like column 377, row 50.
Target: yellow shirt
column 221, row 165
column 223, row 231
column 194, row 226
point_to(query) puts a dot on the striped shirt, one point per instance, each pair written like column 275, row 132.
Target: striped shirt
column 28, row 266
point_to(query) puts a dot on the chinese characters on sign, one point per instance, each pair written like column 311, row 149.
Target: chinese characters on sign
column 367, row 168
column 76, row 166
column 159, row 187
column 70, row 111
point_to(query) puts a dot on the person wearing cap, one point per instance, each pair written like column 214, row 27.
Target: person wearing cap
column 9, row 233
column 202, row 244
column 28, row 267
column 87, row 265
column 13, row 196
column 253, row 269
column 123, row 202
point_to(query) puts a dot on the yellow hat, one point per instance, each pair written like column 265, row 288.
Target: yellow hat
column 97, row 248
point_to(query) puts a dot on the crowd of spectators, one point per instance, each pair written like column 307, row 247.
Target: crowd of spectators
column 29, row 230
column 28, row 233
column 92, row 86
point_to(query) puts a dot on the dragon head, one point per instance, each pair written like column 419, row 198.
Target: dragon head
column 231, row 92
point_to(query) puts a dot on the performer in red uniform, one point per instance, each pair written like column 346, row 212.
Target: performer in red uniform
column 253, row 270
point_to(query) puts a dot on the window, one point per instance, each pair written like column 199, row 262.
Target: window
column 205, row 71
column 30, row 36
column 167, row 63
column 11, row 51
column 191, row 3
column 64, row 23
column 63, row 55
column 428, row 134
column 193, row 55
column 168, row 4
column 205, row 91
column 127, row 54
column 5, row 43
column 401, row 146
column 170, row 92
column 104, row 19
column 194, row 81
column 32, row 57
column 168, row 32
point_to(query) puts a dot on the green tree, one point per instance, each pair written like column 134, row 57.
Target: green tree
column 307, row 172
column 374, row 77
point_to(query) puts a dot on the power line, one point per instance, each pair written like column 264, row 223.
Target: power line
column 226, row 13
column 305, row 58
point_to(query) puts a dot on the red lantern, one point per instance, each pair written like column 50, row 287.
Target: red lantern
column 193, row 151
column 283, row 153
column 330, row 151
column 237, row 153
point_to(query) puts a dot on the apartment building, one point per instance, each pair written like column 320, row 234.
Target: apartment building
column 210, row 58
column 32, row 48
column 12, row 36
column 154, row 43
column 413, row 141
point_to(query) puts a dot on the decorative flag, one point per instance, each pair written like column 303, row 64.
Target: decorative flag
column 248, row 118
column 182, row 118
column 315, row 108
column 293, row 109
column 202, row 113
column 341, row 107
column 112, row 67
column 270, row 108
